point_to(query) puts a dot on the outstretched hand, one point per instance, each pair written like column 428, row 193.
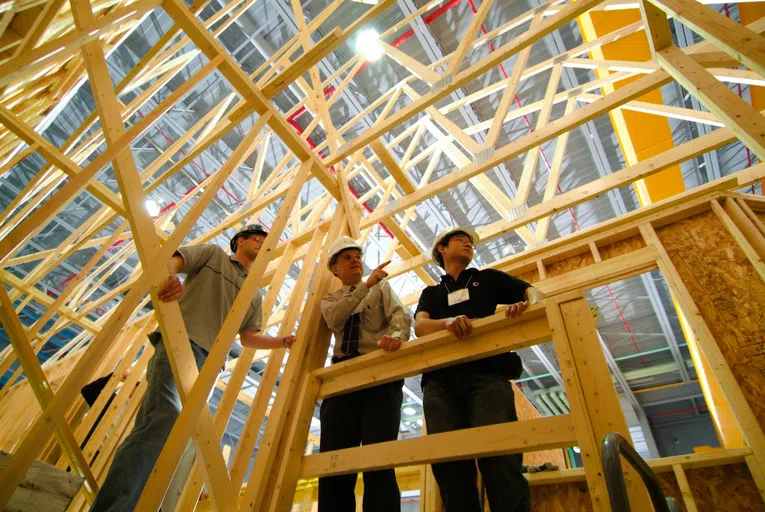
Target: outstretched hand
column 377, row 275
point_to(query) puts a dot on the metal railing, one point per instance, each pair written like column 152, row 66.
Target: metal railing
column 614, row 447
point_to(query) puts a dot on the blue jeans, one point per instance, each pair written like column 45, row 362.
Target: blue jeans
column 136, row 456
column 465, row 399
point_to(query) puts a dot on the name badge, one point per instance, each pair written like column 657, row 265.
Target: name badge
column 458, row 296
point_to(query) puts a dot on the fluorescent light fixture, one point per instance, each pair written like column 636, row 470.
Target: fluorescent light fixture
column 368, row 44
column 152, row 207
column 409, row 411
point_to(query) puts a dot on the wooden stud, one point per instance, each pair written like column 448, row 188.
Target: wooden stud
column 753, row 255
column 259, row 488
column 750, row 428
column 502, row 439
column 42, row 390
column 197, row 397
column 586, row 436
column 657, row 27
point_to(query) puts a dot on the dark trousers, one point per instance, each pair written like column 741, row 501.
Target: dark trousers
column 473, row 399
column 364, row 417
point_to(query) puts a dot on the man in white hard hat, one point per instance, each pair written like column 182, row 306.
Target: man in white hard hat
column 213, row 280
column 363, row 316
column 476, row 393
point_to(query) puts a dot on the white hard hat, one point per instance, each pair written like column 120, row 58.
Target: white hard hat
column 448, row 232
column 339, row 246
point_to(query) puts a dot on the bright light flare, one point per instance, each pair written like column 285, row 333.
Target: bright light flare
column 368, row 44
column 152, row 207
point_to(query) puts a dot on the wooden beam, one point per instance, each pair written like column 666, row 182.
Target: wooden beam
column 735, row 39
column 43, row 392
column 168, row 314
column 531, row 163
column 523, row 144
column 467, row 39
column 488, row 441
column 415, row 67
column 34, row 59
column 753, row 254
column 657, row 27
column 463, row 78
column 747, row 123
column 305, row 356
column 98, row 347
column 490, row 336
column 254, row 97
column 509, row 94
column 390, row 164
column 195, row 407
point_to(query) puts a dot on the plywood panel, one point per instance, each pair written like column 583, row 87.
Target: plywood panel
column 569, row 264
column 570, row 497
column 729, row 294
column 622, row 247
column 671, row 489
column 725, row 488
column 715, row 488
column 526, row 411
column 529, row 277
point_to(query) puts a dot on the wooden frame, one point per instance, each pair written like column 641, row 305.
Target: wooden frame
column 48, row 46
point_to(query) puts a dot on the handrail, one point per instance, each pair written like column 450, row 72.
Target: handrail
column 614, row 446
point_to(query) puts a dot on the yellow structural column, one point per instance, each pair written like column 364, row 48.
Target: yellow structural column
column 641, row 136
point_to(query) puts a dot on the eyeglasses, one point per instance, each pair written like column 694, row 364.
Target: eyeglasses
column 258, row 238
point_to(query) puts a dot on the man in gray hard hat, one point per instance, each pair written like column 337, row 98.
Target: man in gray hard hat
column 476, row 393
column 213, row 280
column 363, row 316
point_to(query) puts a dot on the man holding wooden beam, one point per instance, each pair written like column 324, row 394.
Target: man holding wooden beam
column 213, row 280
column 476, row 393
column 363, row 316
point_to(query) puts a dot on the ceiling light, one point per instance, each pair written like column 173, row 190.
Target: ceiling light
column 152, row 207
column 419, row 422
column 409, row 411
column 577, row 449
column 368, row 44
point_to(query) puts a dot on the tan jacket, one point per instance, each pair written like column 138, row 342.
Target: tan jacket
column 383, row 314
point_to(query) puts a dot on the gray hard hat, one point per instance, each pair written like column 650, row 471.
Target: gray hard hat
column 251, row 229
